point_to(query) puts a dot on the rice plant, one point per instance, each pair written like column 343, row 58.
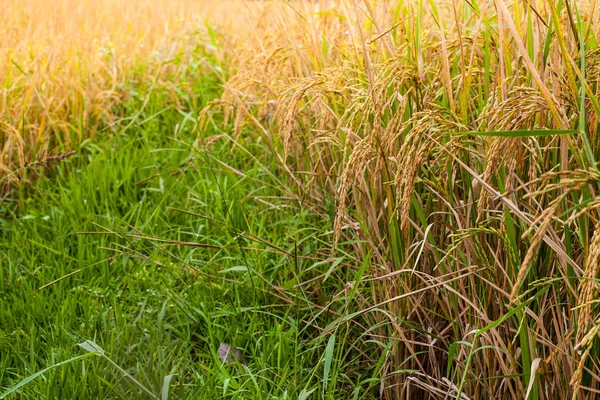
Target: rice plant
column 458, row 142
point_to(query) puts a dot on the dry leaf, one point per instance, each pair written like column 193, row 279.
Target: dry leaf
column 229, row 354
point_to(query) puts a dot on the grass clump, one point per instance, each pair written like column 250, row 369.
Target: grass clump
column 152, row 253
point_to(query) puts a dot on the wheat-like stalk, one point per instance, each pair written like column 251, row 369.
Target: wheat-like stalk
column 588, row 288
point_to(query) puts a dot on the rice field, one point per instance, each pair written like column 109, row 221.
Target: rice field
column 368, row 200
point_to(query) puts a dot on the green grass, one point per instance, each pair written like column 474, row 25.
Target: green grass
column 94, row 252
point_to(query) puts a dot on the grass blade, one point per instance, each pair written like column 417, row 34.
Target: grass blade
column 328, row 360
column 522, row 133
column 37, row 374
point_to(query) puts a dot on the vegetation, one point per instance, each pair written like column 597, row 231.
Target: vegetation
column 158, row 253
column 370, row 200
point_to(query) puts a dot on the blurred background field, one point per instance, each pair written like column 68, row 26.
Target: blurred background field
column 67, row 66
column 380, row 200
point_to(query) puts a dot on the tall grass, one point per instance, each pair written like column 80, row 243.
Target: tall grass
column 454, row 147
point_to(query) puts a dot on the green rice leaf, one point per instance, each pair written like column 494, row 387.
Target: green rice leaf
column 521, row 133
